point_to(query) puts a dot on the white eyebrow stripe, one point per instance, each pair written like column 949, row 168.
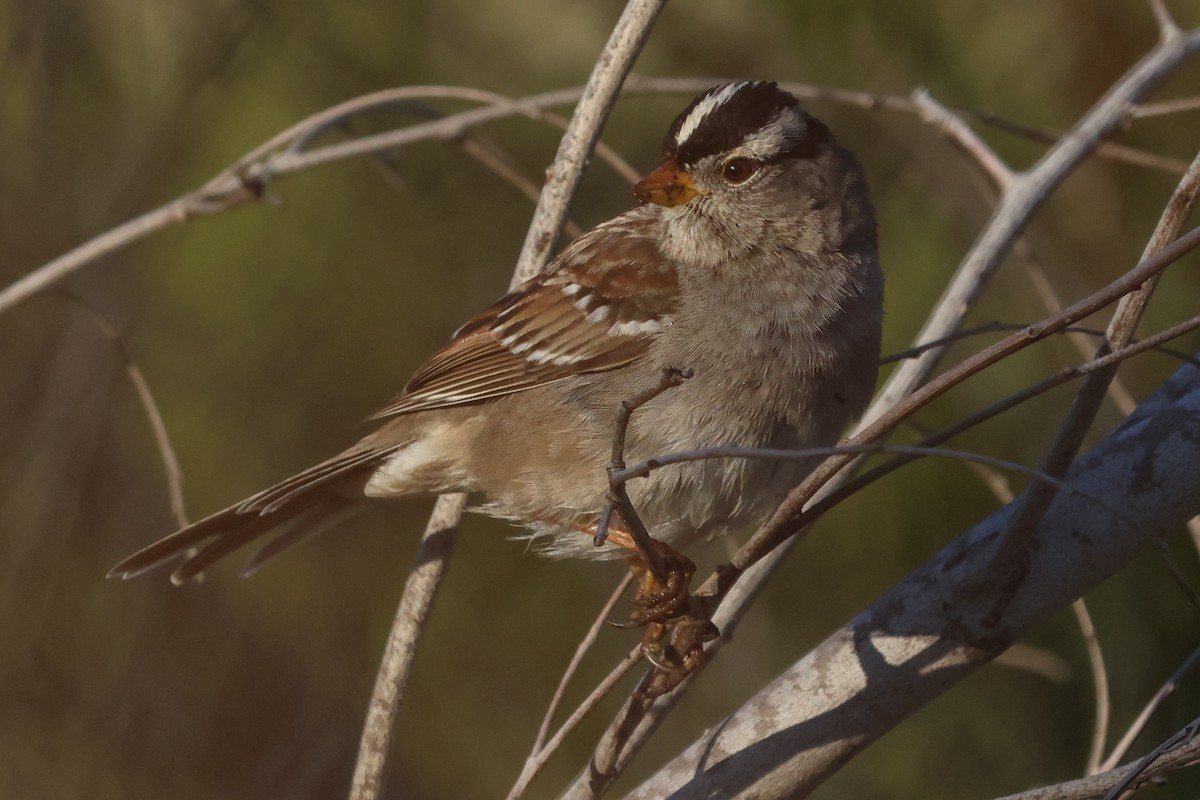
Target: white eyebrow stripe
column 771, row 138
column 704, row 108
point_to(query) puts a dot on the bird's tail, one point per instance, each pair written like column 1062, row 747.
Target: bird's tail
column 298, row 507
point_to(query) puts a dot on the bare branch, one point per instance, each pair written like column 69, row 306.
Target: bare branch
column 849, row 488
column 162, row 439
column 1139, row 723
column 543, row 750
column 952, row 126
column 597, row 101
column 1090, row 396
column 433, row 556
column 935, row 627
column 412, row 615
column 588, row 639
column 1096, row 786
column 1022, row 198
column 1164, row 107
column 1099, row 686
column 1182, row 738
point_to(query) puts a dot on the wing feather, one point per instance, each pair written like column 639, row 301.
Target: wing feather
column 596, row 309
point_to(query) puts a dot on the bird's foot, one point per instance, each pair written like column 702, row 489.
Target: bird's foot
column 677, row 625
column 658, row 600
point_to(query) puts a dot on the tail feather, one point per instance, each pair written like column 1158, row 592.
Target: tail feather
column 298, row 517
column 300, row 502
column 295, row 534
column 279, row 495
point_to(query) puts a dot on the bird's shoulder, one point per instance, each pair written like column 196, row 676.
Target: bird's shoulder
column 597, row 307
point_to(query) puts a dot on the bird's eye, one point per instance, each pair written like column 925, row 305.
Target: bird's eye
column 738, row 170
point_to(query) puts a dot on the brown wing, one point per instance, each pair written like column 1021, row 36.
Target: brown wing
column 597, row 309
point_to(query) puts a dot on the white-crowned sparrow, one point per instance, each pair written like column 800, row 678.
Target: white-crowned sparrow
column 752, row 261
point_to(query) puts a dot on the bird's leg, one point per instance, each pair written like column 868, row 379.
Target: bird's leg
column 676, row 624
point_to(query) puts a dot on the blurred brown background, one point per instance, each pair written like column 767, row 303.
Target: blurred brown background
column 267, row 333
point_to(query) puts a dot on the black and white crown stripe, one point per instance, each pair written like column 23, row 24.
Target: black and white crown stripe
column 708, row 104
column 753, row 119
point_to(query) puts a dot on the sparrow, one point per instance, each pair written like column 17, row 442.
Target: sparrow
column 751, row 261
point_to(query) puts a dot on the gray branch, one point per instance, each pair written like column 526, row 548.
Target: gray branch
column 437, row 545
column 952, row 615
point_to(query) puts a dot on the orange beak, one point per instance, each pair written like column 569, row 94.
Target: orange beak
column 667, row 185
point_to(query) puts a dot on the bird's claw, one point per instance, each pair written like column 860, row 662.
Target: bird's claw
column 660, row 601
column 676, row 626
column 679, row 655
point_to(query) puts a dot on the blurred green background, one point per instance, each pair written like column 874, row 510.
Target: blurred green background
column 267, row 333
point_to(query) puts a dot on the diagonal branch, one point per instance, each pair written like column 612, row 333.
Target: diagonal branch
column 937, row 626
column 1091, row 394
column 1095, row 787
column 436, row 548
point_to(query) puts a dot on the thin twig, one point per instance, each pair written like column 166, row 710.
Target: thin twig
column 495, row 159
column 588, row 639
column 788, row 517
column 1185, row 736
column 1117, row 391
column 1090, row 396
column 162, row 439
column 1095, row 786
column 1099, row 687
column 541, row 753
column 996, row 326
column 1166, row 107
column 1110, row 151
column 1126, row 741
column 644, row 468
column 847, row 489
column 958, row 131
column 618, row 498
